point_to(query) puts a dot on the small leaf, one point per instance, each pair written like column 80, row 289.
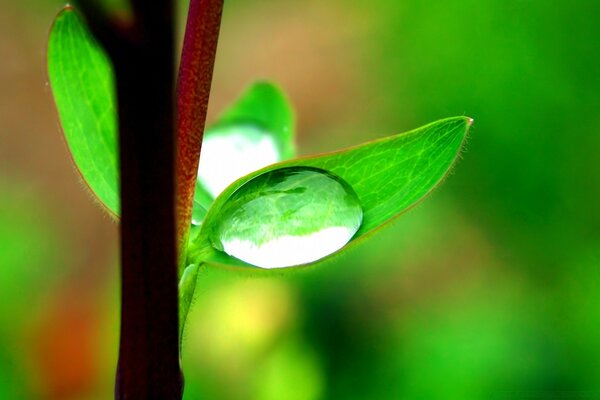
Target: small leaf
column 83, row 86
column 256, row 131
column 265, row 105
column 198, row 211
column 187, row 287
column 389, row 176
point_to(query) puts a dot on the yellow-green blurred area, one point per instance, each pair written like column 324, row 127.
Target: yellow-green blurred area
column 488, row 290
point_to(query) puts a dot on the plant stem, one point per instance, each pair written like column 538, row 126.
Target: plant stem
column 193, row 90
column 143, row 58
column 149, row 349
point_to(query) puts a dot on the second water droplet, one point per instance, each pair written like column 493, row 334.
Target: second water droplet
column 286, row 217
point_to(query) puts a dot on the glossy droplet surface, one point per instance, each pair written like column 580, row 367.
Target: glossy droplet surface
column 288, row 217
column 231, row 151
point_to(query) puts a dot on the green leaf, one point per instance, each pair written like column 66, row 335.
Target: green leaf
column 187, row 287
column 389, row 176
column 265, row 104
column 256, row 131
column 83, row 86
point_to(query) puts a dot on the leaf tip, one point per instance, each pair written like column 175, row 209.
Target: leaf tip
column 68, row 7
column 470, row 121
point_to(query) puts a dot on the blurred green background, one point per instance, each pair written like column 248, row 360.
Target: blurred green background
column 488, row 290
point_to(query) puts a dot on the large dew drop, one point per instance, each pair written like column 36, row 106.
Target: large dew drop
column 231, row 151
column 288, row 217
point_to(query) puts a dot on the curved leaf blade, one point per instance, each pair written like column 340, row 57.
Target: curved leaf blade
column 389, row 175
column 83, row 87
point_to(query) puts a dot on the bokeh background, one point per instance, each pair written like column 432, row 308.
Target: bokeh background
column 488, row 290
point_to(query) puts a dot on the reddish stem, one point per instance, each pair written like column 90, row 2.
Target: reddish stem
column 193, row 89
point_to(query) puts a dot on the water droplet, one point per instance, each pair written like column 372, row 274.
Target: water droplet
column 231, row 151
column 287, row 217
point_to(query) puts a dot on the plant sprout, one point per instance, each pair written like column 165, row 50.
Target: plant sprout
column 255, row 205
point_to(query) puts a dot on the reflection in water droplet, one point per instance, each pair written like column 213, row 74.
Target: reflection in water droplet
column 287, row 217
column 232, row 151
